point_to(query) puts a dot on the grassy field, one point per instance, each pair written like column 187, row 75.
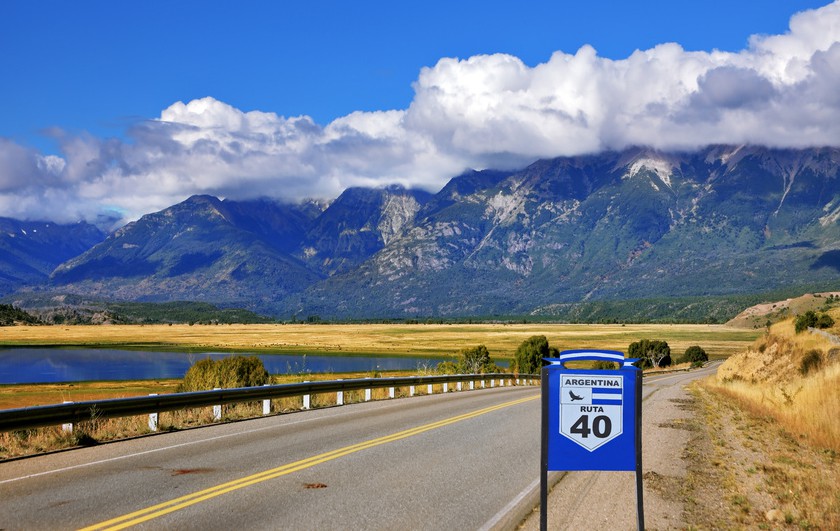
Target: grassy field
column 392, row 340
column 342, row 340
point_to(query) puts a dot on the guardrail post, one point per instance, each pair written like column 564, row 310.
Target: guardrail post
column 217, row 409
column 69, row 426
column 367, row 393
column 483, row 384
column 306, row 399
column 492, row 382
column 266, row 404
column 339, row 396
column 445, row 387
column 391, row 392
column 153, row 418
column 458, row 386
column 411, row 391
column 472, row 385
column 429, row 388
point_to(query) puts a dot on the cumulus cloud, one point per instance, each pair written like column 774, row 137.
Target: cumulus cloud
column 482, row 111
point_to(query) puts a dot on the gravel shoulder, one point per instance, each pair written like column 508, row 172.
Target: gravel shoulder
column 607, row 500
column 708, row 464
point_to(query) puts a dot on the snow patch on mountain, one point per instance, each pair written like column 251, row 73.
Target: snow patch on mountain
column 662, row 168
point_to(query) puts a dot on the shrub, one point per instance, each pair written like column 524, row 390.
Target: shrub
column 811, row 362
column 474, row 360
column 825, row 321
column 529, row 355
column 226, row 373
column 694, row 355
column 810, row 319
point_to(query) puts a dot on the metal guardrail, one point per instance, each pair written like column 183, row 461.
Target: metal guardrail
column 76, row 412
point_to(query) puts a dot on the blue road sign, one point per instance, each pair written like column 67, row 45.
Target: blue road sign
column 592, row 413
column 591, row 420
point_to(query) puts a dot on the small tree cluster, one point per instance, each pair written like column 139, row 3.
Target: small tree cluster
column 529, row 355
column 474, row 360
column 810, row 319
column 694, row 355
column 226, row 373
column 651, row 353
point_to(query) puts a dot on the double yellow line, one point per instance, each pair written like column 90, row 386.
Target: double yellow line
column 177, row 504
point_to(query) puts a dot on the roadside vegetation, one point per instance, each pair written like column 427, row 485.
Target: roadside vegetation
column 771, row 432
column 523, row 346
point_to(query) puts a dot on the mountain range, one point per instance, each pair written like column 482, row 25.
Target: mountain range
column 635, row 224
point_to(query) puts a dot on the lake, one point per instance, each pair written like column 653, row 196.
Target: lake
column 50, row 365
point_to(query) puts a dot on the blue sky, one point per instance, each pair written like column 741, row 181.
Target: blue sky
column 88, row 91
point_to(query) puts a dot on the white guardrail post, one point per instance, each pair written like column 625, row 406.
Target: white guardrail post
column 68, row 427
column 70, row 413
column 217, row 409
column 153, row 418
column 339, row 396
column 266, row 404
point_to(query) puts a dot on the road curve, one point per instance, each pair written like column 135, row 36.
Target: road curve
column 468, row 460
column 458, row 460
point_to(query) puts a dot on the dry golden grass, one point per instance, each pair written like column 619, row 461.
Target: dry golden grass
column 747, row 471
column 769, row 379
column 424, row 340
column 806, row 407
column 416, row 340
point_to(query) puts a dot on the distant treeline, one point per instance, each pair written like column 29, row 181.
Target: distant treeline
column 707, row 310
column 9, row 315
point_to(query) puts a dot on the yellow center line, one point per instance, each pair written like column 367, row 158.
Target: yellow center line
column 155, row 511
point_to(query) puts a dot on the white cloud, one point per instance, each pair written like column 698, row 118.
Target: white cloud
column 483, row 111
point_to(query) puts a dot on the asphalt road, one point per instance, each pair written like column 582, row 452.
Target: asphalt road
column 466, row 460
column 444, row 461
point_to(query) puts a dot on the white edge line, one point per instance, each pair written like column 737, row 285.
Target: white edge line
column 161, row 449
column 510, row 506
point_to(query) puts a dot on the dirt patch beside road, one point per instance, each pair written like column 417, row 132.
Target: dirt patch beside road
column 744, row 471
column 708, row 464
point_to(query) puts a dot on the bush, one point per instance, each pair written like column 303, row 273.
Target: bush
column 811, row 362
column 529, row 355
column 825, row 321
column 226, row 373
column 810, row 319
column 694, row 355
column 474, row 360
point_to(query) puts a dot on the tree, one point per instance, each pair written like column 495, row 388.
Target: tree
column 529, row 355
column 651, row 353
column 474, row 360
column 694, row 355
